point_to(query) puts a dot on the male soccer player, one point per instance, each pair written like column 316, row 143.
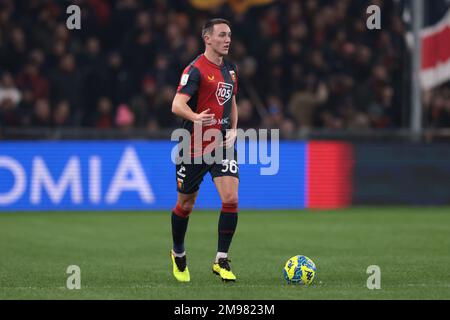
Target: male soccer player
column 206, row 97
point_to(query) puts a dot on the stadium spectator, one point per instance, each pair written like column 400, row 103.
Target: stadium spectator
column 61, row 115
column 103, row 118
column 41, row 114
column 248, row 117
column 317, row 57
column 437, row 108
column 143, row 105
column 10, row 97
column 8, row 90
column 119, row 79
column 124, row 118
column 66, row 84
column 30, row 78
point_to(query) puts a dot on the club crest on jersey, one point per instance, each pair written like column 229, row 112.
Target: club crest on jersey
column 180, row 183
column 233, row 75
column 224, row 92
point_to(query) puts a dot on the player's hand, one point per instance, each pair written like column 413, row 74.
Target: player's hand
column 204, row 118
column 230, row 138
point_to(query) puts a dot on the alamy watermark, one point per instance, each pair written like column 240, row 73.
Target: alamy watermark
column 74, row 20
column 374, row 20
column 374, row 280
column 74, row 278
column 211, row 146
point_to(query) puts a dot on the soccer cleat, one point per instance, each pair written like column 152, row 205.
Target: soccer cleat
column 180, row 269
column 222, row 268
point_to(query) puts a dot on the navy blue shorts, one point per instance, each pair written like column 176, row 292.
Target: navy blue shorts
column 189, row 176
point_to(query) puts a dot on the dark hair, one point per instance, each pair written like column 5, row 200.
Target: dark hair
column 209, row 25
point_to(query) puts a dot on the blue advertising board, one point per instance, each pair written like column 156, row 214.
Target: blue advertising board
column 132, row 175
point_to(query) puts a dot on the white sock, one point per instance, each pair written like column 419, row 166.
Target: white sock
column 179, row 255
column 221, row 255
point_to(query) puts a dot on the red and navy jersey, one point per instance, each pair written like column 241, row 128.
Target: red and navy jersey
column 210, row 87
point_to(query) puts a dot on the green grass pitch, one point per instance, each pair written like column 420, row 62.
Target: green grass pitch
column 125, row 255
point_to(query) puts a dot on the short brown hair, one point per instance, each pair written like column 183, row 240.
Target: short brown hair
column 209, row 25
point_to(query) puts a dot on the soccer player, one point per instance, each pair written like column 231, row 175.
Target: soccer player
column 206, row 97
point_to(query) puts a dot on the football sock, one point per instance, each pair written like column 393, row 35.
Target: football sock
column 179, row 227
column 227, row 225
column 221, row 255
column 179, row 255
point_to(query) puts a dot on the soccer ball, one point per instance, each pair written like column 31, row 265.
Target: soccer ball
column 300, row 269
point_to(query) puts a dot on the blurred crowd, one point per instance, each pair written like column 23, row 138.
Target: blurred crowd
column 302, row 64
column 437, row 107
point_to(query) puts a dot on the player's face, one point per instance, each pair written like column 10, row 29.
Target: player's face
column 220, row 39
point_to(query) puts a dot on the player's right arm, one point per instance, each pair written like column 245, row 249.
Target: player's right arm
column 181, row 109
column 189, row 85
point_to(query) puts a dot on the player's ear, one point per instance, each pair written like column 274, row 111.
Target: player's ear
column 207, row 38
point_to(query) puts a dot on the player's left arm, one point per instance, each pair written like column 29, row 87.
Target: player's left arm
column 231, row 134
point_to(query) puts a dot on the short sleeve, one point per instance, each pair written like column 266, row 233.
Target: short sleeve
column 190, row 81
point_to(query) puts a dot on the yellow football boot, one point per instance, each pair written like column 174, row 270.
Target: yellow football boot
column 180, row 269
column 223, row 269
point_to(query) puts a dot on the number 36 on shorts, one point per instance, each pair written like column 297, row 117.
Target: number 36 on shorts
column 229, row 165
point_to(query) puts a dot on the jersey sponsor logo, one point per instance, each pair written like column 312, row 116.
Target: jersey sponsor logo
column 184, row 79
column 210, row 78
column 224, row 92
column 220, row 121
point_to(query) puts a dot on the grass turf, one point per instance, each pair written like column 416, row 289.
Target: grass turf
column 125, row 255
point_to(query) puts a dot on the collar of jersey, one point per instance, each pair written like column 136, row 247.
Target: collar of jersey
column 212, row 63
